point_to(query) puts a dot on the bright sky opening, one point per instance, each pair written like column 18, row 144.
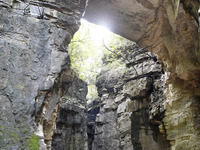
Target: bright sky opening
column 99, row 33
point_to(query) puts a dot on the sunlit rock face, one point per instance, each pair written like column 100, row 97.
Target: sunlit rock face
column 71, row 125
column 129, row 18
column 131, row 104
column 34, row 36
column 169, row 28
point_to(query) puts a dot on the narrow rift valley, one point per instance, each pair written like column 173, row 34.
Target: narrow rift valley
column 67, row 83
column 124, row 107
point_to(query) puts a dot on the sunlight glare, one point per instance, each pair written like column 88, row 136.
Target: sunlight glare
column 99, row 33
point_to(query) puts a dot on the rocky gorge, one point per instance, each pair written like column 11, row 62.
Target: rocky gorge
column 151, row 100
column 131, row 103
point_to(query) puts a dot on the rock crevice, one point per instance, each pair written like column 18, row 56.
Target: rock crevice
column 130, row 117
column 35, row 74
column 34, row 57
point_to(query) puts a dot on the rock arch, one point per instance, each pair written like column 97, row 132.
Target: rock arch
column 169, row 29
column 34, row 59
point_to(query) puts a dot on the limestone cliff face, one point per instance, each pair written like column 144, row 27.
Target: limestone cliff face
column 71, row 125
column 169, row 28
column 93, row 110
column 34, row 38
column 132, row 104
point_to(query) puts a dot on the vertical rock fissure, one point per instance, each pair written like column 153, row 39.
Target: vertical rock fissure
column 131, row 104
column 71, row 124
column 132, row 112
column 34, row 57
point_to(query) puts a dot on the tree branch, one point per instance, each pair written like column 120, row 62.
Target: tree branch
column 119, row 56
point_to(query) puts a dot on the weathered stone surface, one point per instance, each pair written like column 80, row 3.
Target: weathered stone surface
column 93, row 110
column 168, row 28
column 182, row 117
column 34, row 53
column 71, row 125
column 128, row 125
column 138, row 88
column 135, row 105
column 106, row 133
column 114, row 14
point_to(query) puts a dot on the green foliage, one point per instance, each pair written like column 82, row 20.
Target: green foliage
column 8, row 137
column 85, row 55
column 80, row 49
column 33, row 143
column 92, row 90
column 22, row 136
column 117, row 66
column 87, row 49
column 115, row 48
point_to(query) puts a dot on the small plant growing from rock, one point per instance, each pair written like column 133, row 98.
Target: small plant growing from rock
column 33, row 143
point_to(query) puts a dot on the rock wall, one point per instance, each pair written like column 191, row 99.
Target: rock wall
column 182, row 115
column 169, row 28
column 34, row 38
column 132, row 103
column 71, row 125
column 93, row 110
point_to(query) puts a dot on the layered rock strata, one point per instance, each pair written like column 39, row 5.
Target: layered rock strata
column 34, row 38
column 132, row 103
column 93, row 110
column 71, row 125
column 169, row 28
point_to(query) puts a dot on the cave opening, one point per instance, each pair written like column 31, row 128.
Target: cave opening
column 40, row 94
column 124, row 83
column 91, row 47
